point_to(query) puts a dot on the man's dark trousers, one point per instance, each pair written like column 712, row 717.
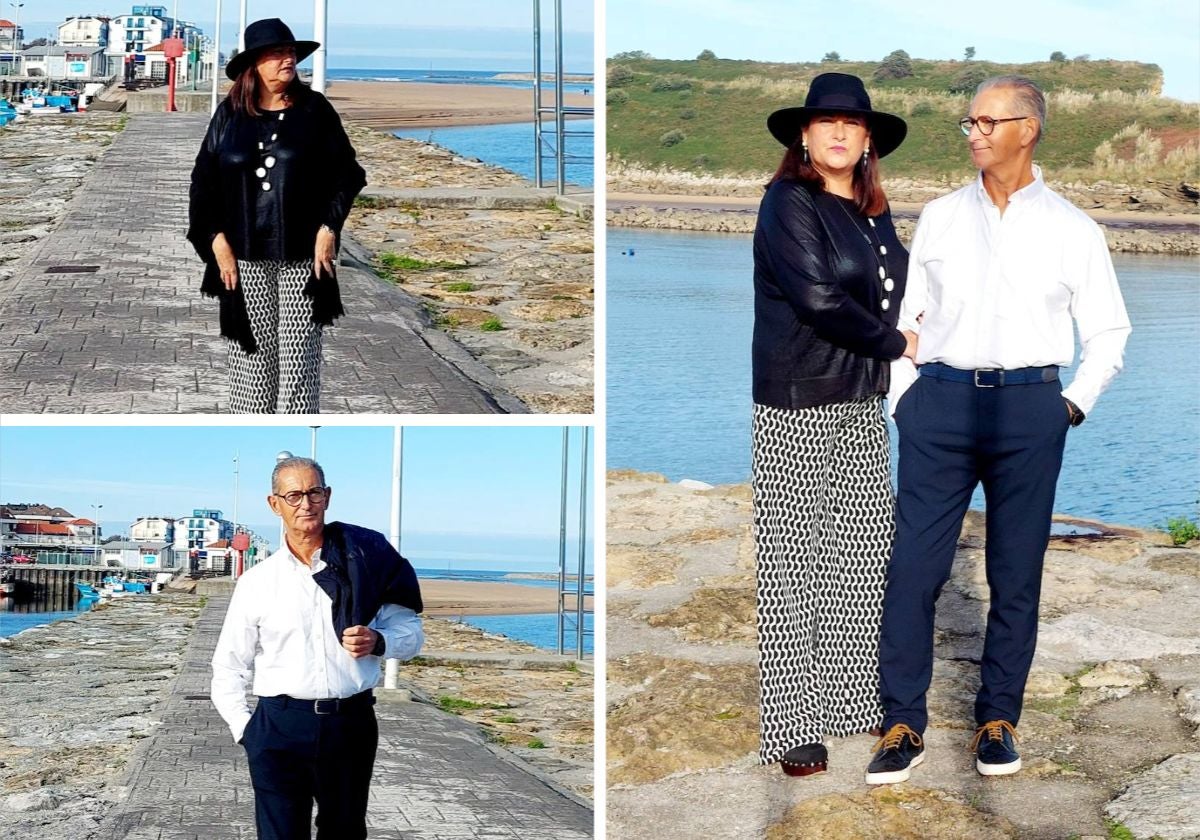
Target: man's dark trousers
column 954, row 435
column 297, row 756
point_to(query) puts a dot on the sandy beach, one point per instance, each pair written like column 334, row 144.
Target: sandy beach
column 390, row 105
column 454, row 598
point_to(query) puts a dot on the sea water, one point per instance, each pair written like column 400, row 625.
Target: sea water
column 680, row 315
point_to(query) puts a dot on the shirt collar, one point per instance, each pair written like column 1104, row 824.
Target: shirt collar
column 1027, row 193
column 317, row 563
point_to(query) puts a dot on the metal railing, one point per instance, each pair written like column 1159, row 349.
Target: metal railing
column 574, row 589
column 554, row 139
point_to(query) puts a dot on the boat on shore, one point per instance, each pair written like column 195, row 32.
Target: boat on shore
column 8, row 584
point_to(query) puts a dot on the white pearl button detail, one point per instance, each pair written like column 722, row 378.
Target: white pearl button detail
column 883, row 250
column 260, row 172
column 882, row 273
column 266, row 186
column 270, row 162
column 884, row 304
column 274, row 137
column 888, row 285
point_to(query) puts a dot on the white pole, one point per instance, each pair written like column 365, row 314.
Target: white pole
column 314, row 442
column 242, row 26
column 235, row 491
column 320, row 16
column 397, row 468
column 282, row 456
column 216, row 59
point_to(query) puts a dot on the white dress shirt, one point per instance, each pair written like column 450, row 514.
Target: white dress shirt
column 279, row 631
column 1000, row 291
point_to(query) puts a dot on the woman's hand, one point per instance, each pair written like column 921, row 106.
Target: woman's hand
column 910, row 344
column 326, row 252
column 226, row 261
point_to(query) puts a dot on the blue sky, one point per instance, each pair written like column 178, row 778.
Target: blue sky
column 474, row 498
column 393, row 34
column 1163, row 32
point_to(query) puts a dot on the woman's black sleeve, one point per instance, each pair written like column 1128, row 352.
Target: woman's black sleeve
column 798, row 259
column 204, row 196
column 348, row 178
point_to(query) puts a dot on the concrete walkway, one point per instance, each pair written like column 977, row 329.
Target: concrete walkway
column 130, row 332
column 435, row 777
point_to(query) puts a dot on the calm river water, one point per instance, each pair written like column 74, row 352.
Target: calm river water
column 680, row 312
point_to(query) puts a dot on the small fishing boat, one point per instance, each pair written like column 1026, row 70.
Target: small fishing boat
column 86, row 590
column 8, row 584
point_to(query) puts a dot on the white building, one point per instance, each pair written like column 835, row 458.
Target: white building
column 130, row 35
column 201, row 529
column 146, row 555
column 11, row 38
column 153, row 529
column 63, row 62
column 84, row 31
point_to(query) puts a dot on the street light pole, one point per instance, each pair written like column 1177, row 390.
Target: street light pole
column 96, row 534
column 242, row 27
column 16, row 42
column 320, row 18
column 282, row 456
column 314, row 442
column 216, row 58
column 397, row 488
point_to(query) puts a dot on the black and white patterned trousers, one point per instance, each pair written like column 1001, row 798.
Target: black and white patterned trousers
column 823, row 516
column 285, row 373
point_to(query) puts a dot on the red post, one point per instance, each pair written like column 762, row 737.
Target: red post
column 172, row 50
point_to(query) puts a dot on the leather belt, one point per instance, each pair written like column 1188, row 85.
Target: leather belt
column 332, row 706
column 991, row 377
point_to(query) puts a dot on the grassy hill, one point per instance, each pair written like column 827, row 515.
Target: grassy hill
column 1105, row 118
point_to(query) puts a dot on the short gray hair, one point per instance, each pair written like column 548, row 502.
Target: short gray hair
column 295, row 463
column 1027, row 95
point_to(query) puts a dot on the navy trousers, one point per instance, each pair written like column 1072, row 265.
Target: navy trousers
column 954, row 435
column 297, row 757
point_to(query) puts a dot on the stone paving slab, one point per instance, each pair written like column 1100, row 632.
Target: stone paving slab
column 435, row 777
column 136, row 336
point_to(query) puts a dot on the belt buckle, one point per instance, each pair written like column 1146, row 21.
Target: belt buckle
column 317, row 707
column 979, row 384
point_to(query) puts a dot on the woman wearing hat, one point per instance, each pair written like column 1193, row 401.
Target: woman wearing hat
column 829, row 273
column 272, row 186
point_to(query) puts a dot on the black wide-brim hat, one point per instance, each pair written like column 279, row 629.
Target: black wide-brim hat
column 263, row 34
column 839, row 93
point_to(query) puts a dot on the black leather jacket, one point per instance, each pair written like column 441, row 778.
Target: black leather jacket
column 820, row 335
column 314, row 182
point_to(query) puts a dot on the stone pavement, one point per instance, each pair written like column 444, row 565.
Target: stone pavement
column 435, row 777
column 134, row 335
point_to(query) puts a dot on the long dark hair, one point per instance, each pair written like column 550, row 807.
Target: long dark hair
column 869, row 197
column 244, row 93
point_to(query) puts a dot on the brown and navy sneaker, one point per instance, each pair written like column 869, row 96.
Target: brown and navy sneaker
column 995, row 749
column 898, row 751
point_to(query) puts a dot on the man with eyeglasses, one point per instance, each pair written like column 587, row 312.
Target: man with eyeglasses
column 307, row 626
column 1000, row 274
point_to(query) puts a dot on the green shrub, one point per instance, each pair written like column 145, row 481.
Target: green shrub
column 672, row 138
column 1182, row 530
column 897, row 65
column 536, row 744
column 670, row 82
column 706, row 55
column 1058, row 56
column 619, row 74
column 687, row 114
column 832, row 57
column 492, row 325
column 616, row 97
column 461, row 287
column 968, row 80
column 922, row 109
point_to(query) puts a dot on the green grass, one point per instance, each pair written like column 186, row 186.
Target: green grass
column 506, row 719
column 461, row 287
column 368, row 202
column 536, row 744
column 492, row 325
column 722, row 115
column 458, row 704
column 1182, row 530
column 403, row 262
column 203, row 601
column 1116, row 831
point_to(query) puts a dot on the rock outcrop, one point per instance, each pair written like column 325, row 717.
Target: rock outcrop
column 1111, row 709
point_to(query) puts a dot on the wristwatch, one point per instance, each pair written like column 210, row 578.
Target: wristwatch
column 1077, row 416
column 380, row 644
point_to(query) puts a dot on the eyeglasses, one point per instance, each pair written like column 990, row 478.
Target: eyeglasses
column 316, row 496
column 986, row 124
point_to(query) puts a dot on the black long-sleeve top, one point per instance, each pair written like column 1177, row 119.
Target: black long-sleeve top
column 820, row 334
column 313, row 182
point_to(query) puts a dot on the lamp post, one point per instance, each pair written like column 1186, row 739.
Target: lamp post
column 96, row 534
column 314, row 442
column 16, row 38
column 282, row 456
column 242, row 26
column 320, row 17
column 216, row 58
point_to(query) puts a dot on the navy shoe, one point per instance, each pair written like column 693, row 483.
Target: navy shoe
column 898, row 751
column 995, row 749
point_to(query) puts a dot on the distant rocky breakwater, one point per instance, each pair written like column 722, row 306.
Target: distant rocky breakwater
column 1110, row 733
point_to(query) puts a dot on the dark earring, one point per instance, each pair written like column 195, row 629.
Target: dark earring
column 805, row 147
